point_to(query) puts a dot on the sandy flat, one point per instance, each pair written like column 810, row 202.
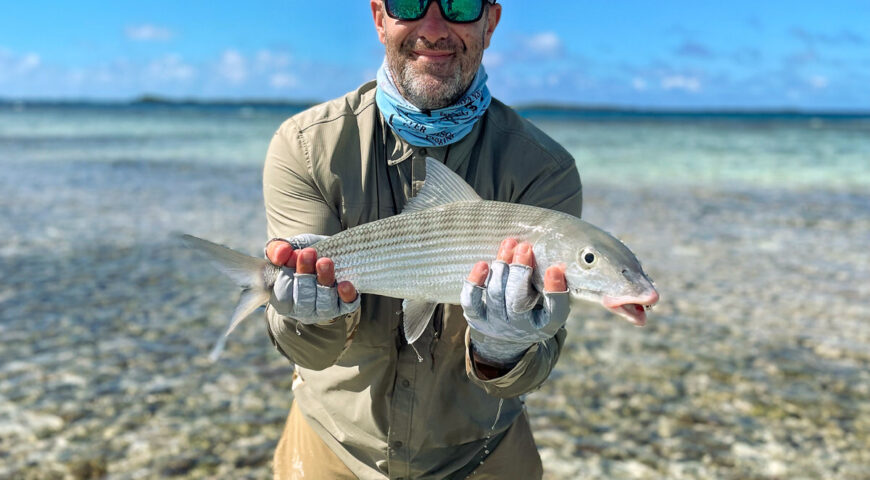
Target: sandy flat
column 756, row 363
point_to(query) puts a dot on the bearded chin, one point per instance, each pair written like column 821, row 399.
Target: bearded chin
column 427, row 91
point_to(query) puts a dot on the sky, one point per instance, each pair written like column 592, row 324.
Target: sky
column 801, row 54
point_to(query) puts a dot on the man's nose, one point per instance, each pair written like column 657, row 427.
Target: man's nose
column 433, row 26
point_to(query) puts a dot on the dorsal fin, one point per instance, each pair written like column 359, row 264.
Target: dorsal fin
column 441, row 186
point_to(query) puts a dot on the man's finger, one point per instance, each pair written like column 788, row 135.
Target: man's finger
column 506, row 250
column 306, row 260
column 346, row 291
column 524, row 255
column 478, row 273
column 471, row 300
column 325, row 272
column 554, row 279
column 519, row 294
column 281, row 253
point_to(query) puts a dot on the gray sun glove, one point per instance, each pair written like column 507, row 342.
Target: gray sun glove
column 506, row 324
column 300, row 297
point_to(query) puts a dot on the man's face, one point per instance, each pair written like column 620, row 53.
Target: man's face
column 432, row 60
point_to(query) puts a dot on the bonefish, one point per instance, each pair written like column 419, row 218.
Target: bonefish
column 424, row 254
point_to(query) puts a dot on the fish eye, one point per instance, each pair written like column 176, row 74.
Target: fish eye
column 588, row 257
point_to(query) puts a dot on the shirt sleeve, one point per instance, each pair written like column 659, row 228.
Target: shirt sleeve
column 528, row 374
column 294, row 205
column 556, row 188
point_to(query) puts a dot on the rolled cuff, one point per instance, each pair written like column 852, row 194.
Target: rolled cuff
column 315, row 346
column 528, row 374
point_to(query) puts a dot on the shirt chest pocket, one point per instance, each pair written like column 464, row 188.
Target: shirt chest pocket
column 380, row 320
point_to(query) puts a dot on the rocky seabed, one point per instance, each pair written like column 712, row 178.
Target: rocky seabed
column 753, row 366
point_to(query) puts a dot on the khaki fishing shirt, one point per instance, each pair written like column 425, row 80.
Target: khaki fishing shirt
column 383, row 411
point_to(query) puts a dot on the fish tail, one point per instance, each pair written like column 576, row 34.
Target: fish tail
column 249, row 301
column 248, row 272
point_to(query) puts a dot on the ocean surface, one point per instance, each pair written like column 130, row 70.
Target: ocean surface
column 755, row 364
column 778, row 150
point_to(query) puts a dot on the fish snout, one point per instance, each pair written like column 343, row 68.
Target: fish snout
column 632, row 308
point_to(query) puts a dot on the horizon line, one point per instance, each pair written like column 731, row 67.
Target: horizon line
column 543, row 106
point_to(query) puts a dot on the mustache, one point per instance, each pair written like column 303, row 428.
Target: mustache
column 443, row 44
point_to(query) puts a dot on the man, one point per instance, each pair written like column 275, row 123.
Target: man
column 366, row 404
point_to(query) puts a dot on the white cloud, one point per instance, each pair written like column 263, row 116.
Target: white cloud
column 492, row 59
column 638, row 84
column 170, row 68
column 267, row 60
column 260, row 68
column 105, row 76
column 233, row 67
column 681, row 82
column 148, row 33
column 28, row 62
column 818, row 82
column 282, row 81
column 544, row 43
column 14, row 65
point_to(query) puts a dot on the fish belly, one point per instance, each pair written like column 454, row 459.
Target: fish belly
column 426, row 255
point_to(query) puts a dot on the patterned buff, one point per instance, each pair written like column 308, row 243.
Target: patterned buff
column 437, row 127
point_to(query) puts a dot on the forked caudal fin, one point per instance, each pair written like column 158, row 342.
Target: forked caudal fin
column 245, row 270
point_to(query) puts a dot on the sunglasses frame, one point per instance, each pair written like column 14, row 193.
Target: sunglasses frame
column 441, row 8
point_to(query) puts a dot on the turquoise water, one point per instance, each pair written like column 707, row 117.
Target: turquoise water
column 755, row 228
column 791, row 152
column 205, row 135
column 644, row 149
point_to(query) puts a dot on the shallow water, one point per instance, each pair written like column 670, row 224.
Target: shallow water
column 776, row 151
column 754, row 365
column 794, row 152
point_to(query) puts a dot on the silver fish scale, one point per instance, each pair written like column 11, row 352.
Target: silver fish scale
column 426, row 255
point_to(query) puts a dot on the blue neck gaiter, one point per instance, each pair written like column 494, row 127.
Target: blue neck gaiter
column 434, row 128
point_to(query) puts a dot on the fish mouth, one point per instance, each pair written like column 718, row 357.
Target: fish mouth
column 631, row 308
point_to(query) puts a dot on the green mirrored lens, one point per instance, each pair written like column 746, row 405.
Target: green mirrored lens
column 406, row 9
column 454, row 10
column 461, row 10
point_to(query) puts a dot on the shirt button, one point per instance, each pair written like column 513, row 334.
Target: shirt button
column 397, row 444
column 422, row 151
column 406, row 383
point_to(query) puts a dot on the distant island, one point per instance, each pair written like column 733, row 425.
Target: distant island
column 526, row 109
column 253, row 102
column 640, row 111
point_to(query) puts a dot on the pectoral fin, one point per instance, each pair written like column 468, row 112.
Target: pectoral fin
column 417, row 314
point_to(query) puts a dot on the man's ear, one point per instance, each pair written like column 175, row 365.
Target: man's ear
column 378, row 17
column 493, row 15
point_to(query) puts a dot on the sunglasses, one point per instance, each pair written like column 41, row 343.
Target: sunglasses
column 455, row 11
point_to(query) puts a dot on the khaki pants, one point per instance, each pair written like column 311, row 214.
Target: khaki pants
column 300, row 450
